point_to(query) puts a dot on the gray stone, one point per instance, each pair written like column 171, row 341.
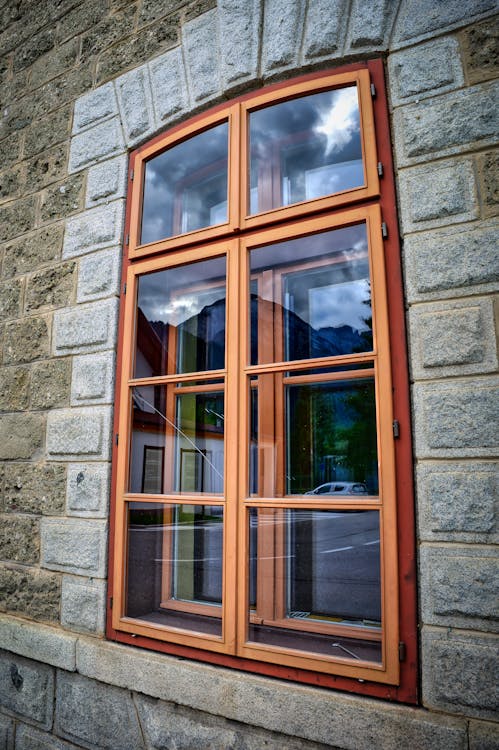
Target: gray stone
column 93, row 379
column 32, row 488
column 459, row 501
column 88, row 490
column 371, row 24
column 99, row 715
column 488, row 169
column 456, row 260
column 459, row 587
column 419, row 18
column 10, row 299
column 26, row 689
column 55, row 63
column 47, row 167
column 135, row 103
column 170, row 94
column 99, row 275
column 425, row 70
column 438, row 194
column 19, row 538
column 481, row 50
column 74, row 546
column 34, row 641
column 52, row 287
column 457, row 418
column 282, row 26
column 47, row 131
column 50, row 384
column 484, row 735
column 83, row 605
column 17, row 217
column 9, row 149
column 202, row 70
column 22, row 435
column 33, row 48
column 94, row 229
column 26, row 340
column 81, row 18
column 33, row 250
column 82, row 432
column 101, row 141
column 94, row 107
column 447, row 124
column 63, row 199
column 325, row 28
column 85, row 328
column 107, row 181
column 460, row 673
column 6, row 733
column 239, row 25
column 29, row 738
column 29, row 592
column 14, row 388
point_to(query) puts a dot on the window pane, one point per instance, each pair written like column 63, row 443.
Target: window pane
column 305, row 148
column 312, row 571
column 177, row 441
column 311, row 297
column 174, row 570
column 181, row 319
column 185, row 187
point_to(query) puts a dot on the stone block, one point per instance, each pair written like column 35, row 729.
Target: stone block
column 446, row 125
column 90, row 327
column 33, row 251
column 94, row 107
column 48, row 167
column 29, row 738
column 36, row 46
column 488, row 170
column 74, row 546
column 93, row 379
column 96, row 715
column 459, row 587
column 453, row 338
column 151, row 10
column 443, row 193
column 458, row 501
column 56, row 93
column 55, row 63
column 239, row 26
column 480, row 45
column 425, row 70
column 17, row 217
column 452, row 262
column 84, row 432
column 135, row 103
column 99, row 275
column 457, row 419
column 51, row 287
column 34, row 641
column 97, row 143
column 460, row 673
column 107, row 32
column 10, row 299
column 50, row 384
column 47, row 131
column 22, row 435
column 6, row 733
column 81, row 18
column 484, row 735
column 282, row 26
column 26, row 340
column 83, row 605
column 63, row 199
column 107, row 181
column 94, row 229
column 19, row 539
column 14, row 388
column 33, row 488
column 371, row 24
column 88, row 490
column 26, row 689
column 169, row 85
column 421, row 18
column 200, row 45
column 10, row 149
column 30, row 592
column 12, row 182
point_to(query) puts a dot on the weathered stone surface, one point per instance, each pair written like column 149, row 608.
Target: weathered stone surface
column 81, row 18
column 17, row 217
column 99, row 275
column 93, row 379
column 107, row 181
column 484, row 735
column 32, row 251
column 488, row 169
column 55, row 63
column 83, row 605
column 50, row 384
column 371, row 24
column 6, row 733
column 88, row 490
column 22, row 435
column 89, row 327
column 14, row 388
column 9, row 149
column 481, row 50
column 459, row 501
column 12, row 181
column 33, row 48
column 94, row 229
column 10, row 299
column 29, row 592
column 94, row 107
column 59, row 91
column 95, row 144
column 26, row 340
column 151, row 10
column 459, row 587
column 47, row 131
column 239, row 26
column 52, row 287
column 31, row 488
column 421, row 17
column 26, row 688
column 19, row 539
column 34, row 641
column 108, row 31
column 89, row 712
column 82, row 432
column 134, row 98
column 47, row 167
column 169, row 85
column 203, row 72
column 29, row 738
column 74, row 546
column 282, row 26
column 62, row 199
column 460, row 673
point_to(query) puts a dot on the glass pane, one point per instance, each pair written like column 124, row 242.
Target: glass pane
column 312, row 571
column 177, row 441
column 311, row 297
column 174, row 565
column 181, row 319
column 305, row 148
column 185, row 187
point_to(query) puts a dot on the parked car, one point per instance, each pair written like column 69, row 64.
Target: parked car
column 339, row 488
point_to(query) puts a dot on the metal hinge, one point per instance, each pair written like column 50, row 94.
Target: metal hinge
column 111, row 602
column 124, row 288
column 384, row 230
column 402, row 651
column 116, row 438
column 396, row 428
column 127, row 239
column 380, row 169
column 132, row 174
column 373, row 90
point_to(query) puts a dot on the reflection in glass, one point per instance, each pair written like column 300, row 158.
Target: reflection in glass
column 305, row 148
column 174, row 570
column 177, row 440
column 181, row 319
column 185, row 187
column 311, row 297
column 312, row 571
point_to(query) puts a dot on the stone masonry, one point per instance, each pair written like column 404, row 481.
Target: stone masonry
column 84, row 81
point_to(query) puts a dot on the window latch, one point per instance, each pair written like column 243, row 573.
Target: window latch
column 402, row 651
column 396, row 428
column 384, row 230
column 380, row 169
column 373, row 90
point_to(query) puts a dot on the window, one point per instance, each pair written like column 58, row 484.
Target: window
column 256, row 489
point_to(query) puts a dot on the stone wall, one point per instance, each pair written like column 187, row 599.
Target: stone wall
column 81, row 84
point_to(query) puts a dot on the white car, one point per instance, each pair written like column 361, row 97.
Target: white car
column 339, row 488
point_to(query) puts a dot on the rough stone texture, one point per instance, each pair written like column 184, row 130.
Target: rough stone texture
column 134, row 99
column 481, row 50
column 239, row 25
column 88, row 490
column 94, row 107
column 17, row 217
column 93, row 379
column 6, row 733
column 34, row 696
column 282, row 26
column 202, row 71
column 106, row 181
column 94, row 229
column 488, row 170
column 483, row 735
column 29, row 592
column 92, row 713
column 47, row 131
column 50, row 384
column 22, row 435
column 459, row 587
column 29, row 738
column 25, row 340
column 82, row 432
column 90, row 327
column 55, row 63
column 459, row 501
column 83, row 605
column 19, row 539
column 105, row 139
column 169, row 85
column 371, row 24
column 420, row 18
column 99, row 275
column 35, row 641
column 10, row 299
column 33, row 251
column 32, row 488
column 52, row 287
column 47, row 167
column 74, row 546
column 460, row 673
column 62, row 199
column 14, row 388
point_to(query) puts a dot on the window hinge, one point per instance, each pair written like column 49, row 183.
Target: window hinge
column 124, row 288
column 132, row 174
column 402, row 651
column 373, row 90
column 127, row 239
column 384, row 230
column 396, row 428
column 111, row 602
column 380, row 169
column 116, row 438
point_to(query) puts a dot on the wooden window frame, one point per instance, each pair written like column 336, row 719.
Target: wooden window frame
column 396, row 678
